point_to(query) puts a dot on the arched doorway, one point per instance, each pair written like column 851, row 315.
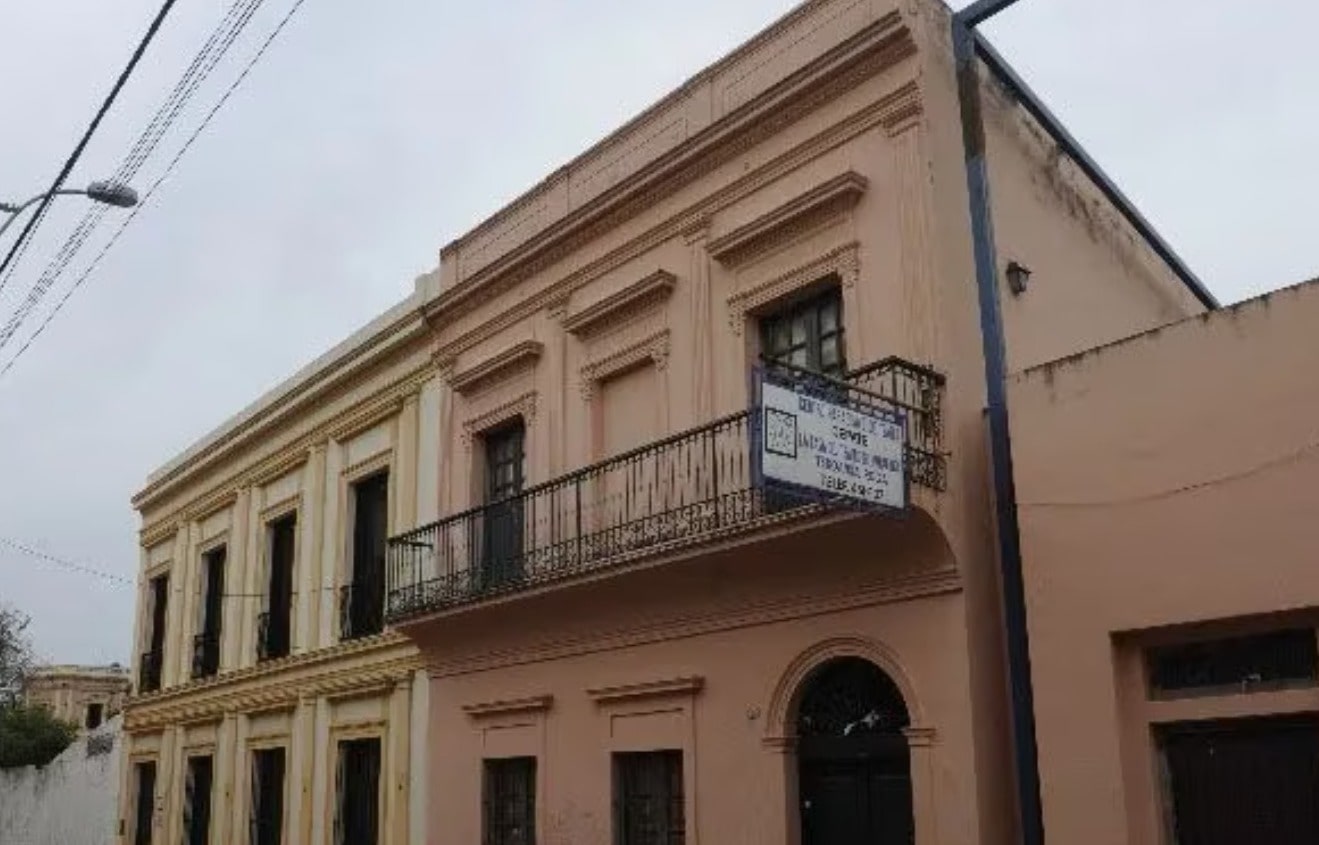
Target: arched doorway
column 854, row 766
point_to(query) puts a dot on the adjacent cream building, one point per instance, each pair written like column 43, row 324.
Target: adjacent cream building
column 271, row 704
column 84, row 695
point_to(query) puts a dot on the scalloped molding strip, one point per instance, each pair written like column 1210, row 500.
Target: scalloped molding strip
column 523, row 406
column 842, row 262
column 487, row 709
column 687, row 685
column 651, row 290
column 653, row 349
column 498, row 366
column 838, row 194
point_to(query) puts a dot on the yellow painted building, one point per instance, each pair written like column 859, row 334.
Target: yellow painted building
column 84, row 695
column 270, row 704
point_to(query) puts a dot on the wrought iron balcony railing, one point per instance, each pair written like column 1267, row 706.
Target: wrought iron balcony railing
column 149, row 671
column 206, row 654
column 664, row 495
column 361, row 610
column 272, row 635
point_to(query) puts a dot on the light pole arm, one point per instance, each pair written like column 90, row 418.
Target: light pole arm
column 15, row 210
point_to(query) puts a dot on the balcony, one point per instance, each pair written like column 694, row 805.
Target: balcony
column 205, row 654
column 149, row 671
column 674, row 493
column 361, row 610
column 272, row 635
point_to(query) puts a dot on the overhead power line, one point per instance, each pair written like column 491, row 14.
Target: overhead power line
column 36, row 218
column 142, row 203
column 217, row 44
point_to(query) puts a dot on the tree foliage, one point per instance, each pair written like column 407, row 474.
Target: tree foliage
column 15, row 654
column 31, row 736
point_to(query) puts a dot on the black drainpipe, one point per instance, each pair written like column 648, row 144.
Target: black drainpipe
column 1022, row 694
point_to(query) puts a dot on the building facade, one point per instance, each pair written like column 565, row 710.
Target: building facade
column 84, row 695
column 1165, row 487
column 271, row 704
column 628, row 638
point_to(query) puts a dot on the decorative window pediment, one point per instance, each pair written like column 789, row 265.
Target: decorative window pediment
column 835, row 196
column 616, row 307
column 515, row 359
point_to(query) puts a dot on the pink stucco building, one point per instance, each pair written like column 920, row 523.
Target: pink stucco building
column 1166, row 497
column 627, row 640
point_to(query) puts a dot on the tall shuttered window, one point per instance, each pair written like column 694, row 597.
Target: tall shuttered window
column 357, row 792
column 266, row 819
column 144, row 802
column 197, row 801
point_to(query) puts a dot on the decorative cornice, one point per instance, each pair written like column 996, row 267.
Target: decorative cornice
column 869, row 52
column 687, row 220
column 834, row 196
column 514, row 359
column 153, row 535
column 335, row 374
column 366, row 418
column 308, row 674
column 523, row 406
column 842, row 261
column 653, row 349
column 296, row 451
column 505, row 707
column 642, row 294
column 689, row 685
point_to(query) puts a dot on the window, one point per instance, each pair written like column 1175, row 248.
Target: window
column 362, row 606
column 266, row 822
column 197, row 801
column 153, row 658
column 95, row 715
column 503, row 523
column 144, row 802
column 206, row 645
column 357, row 785
column 807, row 334
column 1274, row 660
column 509, row 816
column 648, row 801
column 273, row 626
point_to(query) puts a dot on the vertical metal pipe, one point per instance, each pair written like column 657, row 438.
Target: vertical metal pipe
column 1022, row 693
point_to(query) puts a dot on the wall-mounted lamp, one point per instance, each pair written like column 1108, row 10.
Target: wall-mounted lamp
column 1018, row 278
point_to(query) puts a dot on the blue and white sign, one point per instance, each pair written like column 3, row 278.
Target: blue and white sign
column 835, row 450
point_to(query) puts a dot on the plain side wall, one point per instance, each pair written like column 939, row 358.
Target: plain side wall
column 1164, row 480
column 1093, row 280
column 71, row 801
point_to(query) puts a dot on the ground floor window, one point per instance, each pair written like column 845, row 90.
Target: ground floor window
column 357, row 780
column 197, row 801
column 144, row 802
column 648, row 799
column 509, row 816
column 266, row 821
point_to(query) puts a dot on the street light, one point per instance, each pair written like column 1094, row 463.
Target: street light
column 106, row 192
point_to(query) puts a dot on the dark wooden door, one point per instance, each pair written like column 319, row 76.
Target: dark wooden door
column 1244, row 781
column 856, row 802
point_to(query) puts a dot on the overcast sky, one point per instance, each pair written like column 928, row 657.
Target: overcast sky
column 373, row 133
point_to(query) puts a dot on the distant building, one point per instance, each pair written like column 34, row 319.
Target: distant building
column 85, row 695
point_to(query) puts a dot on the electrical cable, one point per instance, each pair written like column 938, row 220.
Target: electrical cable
column 121, row 581
column 222, row 37
column 73, row 158
column 142, row 203
column 1277, row 461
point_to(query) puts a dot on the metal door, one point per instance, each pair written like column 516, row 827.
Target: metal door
column 1243, row 781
